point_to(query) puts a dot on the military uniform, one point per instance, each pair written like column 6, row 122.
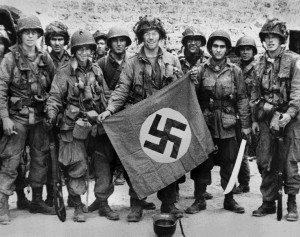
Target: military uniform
column 222, row 94
column 276, row 76
column 137, row 82
column 72, row 152
column 278, row 93
column 24, row 83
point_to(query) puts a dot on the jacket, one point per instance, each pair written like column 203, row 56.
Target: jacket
column 222, row 97
column 66, row 96
column 23, row 80
column 137, row 80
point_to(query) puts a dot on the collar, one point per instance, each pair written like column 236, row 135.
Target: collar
column 272, row 60
column 217, row 67
column 75, row 66
column 65, row 54
column 142, row 56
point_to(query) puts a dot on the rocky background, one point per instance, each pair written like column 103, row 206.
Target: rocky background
column 239, row 17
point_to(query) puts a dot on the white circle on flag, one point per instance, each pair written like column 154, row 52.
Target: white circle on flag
column 165, row 136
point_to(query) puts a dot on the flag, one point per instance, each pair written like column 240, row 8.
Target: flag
column 161, row 138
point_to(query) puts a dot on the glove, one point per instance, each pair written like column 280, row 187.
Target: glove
column 286, row 118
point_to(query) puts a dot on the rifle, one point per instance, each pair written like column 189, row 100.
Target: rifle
column 57, row 185
column 278, row 157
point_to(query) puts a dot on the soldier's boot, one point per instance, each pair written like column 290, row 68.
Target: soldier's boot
column 231, row 205
column 207, row 196
column 267, row 207
column 79, row 215
column 242, row 188
column 71, row 203
column 38, row 205
column 105, row 210
column 94, row 206
column 292, row 208
column 22, row 202
column 50, row 195
column 172, row 209
column 148, row 205
column 200, row 203
column 136, row 210
column 120, row 180
column 4, row 212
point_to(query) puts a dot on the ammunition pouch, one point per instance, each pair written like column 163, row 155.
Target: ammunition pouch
column 228, row 120
column 82, row 129
column 266, row 110
column 72, row 112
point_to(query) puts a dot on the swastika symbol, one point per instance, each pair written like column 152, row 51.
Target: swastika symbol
column 165, row 136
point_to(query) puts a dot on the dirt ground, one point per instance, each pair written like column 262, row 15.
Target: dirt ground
column 212, row 222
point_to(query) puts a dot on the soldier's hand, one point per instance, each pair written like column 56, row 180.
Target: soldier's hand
column 286, row 118
column 247, row 133
column 193, row 75
column 103, row 116
column 255, row 128
column 8, row 126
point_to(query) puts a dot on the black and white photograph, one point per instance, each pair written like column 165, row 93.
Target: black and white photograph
column 149, row 118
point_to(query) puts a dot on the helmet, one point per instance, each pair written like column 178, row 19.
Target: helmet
column 118, row 31
column 219, row 34
column 56, row 28
column 245, row 41
column 81, row 38
column 149, row 23
column 29, row 22
column 274, row 26
column 192, row 33
column 99, row 35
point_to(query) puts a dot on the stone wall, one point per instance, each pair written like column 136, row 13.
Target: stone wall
column 239, row 17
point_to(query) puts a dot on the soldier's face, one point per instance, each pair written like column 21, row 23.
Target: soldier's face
column 118, row 45
column 151, row 39
column 2, row 48
column 57, row 43
column 273, row 42
column 246, row 53
column 193, row 44
column 29, row 37
column 218, row 49
column 83, row 53
column 101, row 46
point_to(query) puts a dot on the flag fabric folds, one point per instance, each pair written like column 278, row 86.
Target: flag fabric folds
column 161, row 138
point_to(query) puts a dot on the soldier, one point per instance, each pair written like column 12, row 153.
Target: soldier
column 222, row 94
column 57, row 37
column 20, row 183
column 101, row 51
column 106, row 159
column 246, row 50
column 25, row 77
column 278, row 73
column 80, row 86
column 193, row 56
column 156, row 66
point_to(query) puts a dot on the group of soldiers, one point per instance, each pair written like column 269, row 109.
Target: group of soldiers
column 72, row 93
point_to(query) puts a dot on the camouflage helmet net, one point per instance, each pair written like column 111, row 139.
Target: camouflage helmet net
column 56, row 28
column 146, row 23
column 274, row 26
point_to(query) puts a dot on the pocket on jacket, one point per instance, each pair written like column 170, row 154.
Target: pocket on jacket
column 228, row 120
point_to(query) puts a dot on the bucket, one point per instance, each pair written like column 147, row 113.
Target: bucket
column 164, row 224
